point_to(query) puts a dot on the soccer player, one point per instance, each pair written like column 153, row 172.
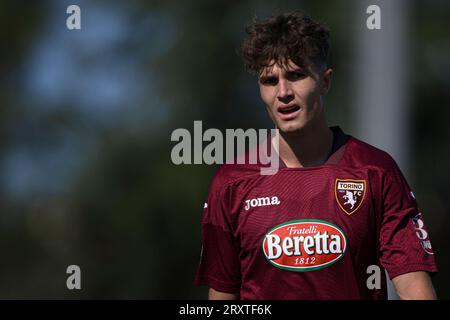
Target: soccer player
column 337, row 211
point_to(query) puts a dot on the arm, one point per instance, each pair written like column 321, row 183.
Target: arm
column 414, row 286
column 217, row 295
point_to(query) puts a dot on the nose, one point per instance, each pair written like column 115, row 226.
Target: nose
column 285, row 93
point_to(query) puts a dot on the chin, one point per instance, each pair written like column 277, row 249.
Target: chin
column 290, row 128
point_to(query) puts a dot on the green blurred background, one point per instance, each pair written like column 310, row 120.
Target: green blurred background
column 86, row 116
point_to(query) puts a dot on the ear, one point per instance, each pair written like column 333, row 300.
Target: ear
column 326, row 81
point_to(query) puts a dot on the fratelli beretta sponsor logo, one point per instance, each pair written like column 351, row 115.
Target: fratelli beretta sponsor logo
column 304, row 245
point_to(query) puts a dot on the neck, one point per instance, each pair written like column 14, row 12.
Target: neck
column 306, row 148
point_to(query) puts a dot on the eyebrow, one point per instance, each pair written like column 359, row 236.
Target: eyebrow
column 265, row 76
column 295, row 70
column 271, row 75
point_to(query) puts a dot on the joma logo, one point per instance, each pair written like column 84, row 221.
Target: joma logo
column 260, row 202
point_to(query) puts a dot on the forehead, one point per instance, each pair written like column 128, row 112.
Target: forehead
column 275, row 67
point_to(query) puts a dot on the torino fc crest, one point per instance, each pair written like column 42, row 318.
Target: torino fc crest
column 350, row 194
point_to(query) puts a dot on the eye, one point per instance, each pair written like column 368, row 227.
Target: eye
column 295, row 75
column 268, row 81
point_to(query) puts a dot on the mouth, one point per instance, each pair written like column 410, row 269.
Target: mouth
column 288, row 111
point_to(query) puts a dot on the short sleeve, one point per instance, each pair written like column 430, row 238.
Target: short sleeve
column 219, row 266
column 405, row 244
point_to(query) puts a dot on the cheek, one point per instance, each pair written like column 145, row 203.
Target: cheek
column 267, row 95
column 309, row 94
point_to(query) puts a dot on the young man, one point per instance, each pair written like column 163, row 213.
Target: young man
column 336, row 213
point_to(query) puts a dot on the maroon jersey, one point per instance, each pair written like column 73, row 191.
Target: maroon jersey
column 312, row 233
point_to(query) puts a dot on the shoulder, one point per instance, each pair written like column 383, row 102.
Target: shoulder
column 360, row 153
column 227, row 174
column 243, row 167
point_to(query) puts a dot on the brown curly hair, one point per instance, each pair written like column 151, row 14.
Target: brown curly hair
column 291, row 36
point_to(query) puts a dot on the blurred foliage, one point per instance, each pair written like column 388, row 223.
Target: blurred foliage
column 126, row 215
